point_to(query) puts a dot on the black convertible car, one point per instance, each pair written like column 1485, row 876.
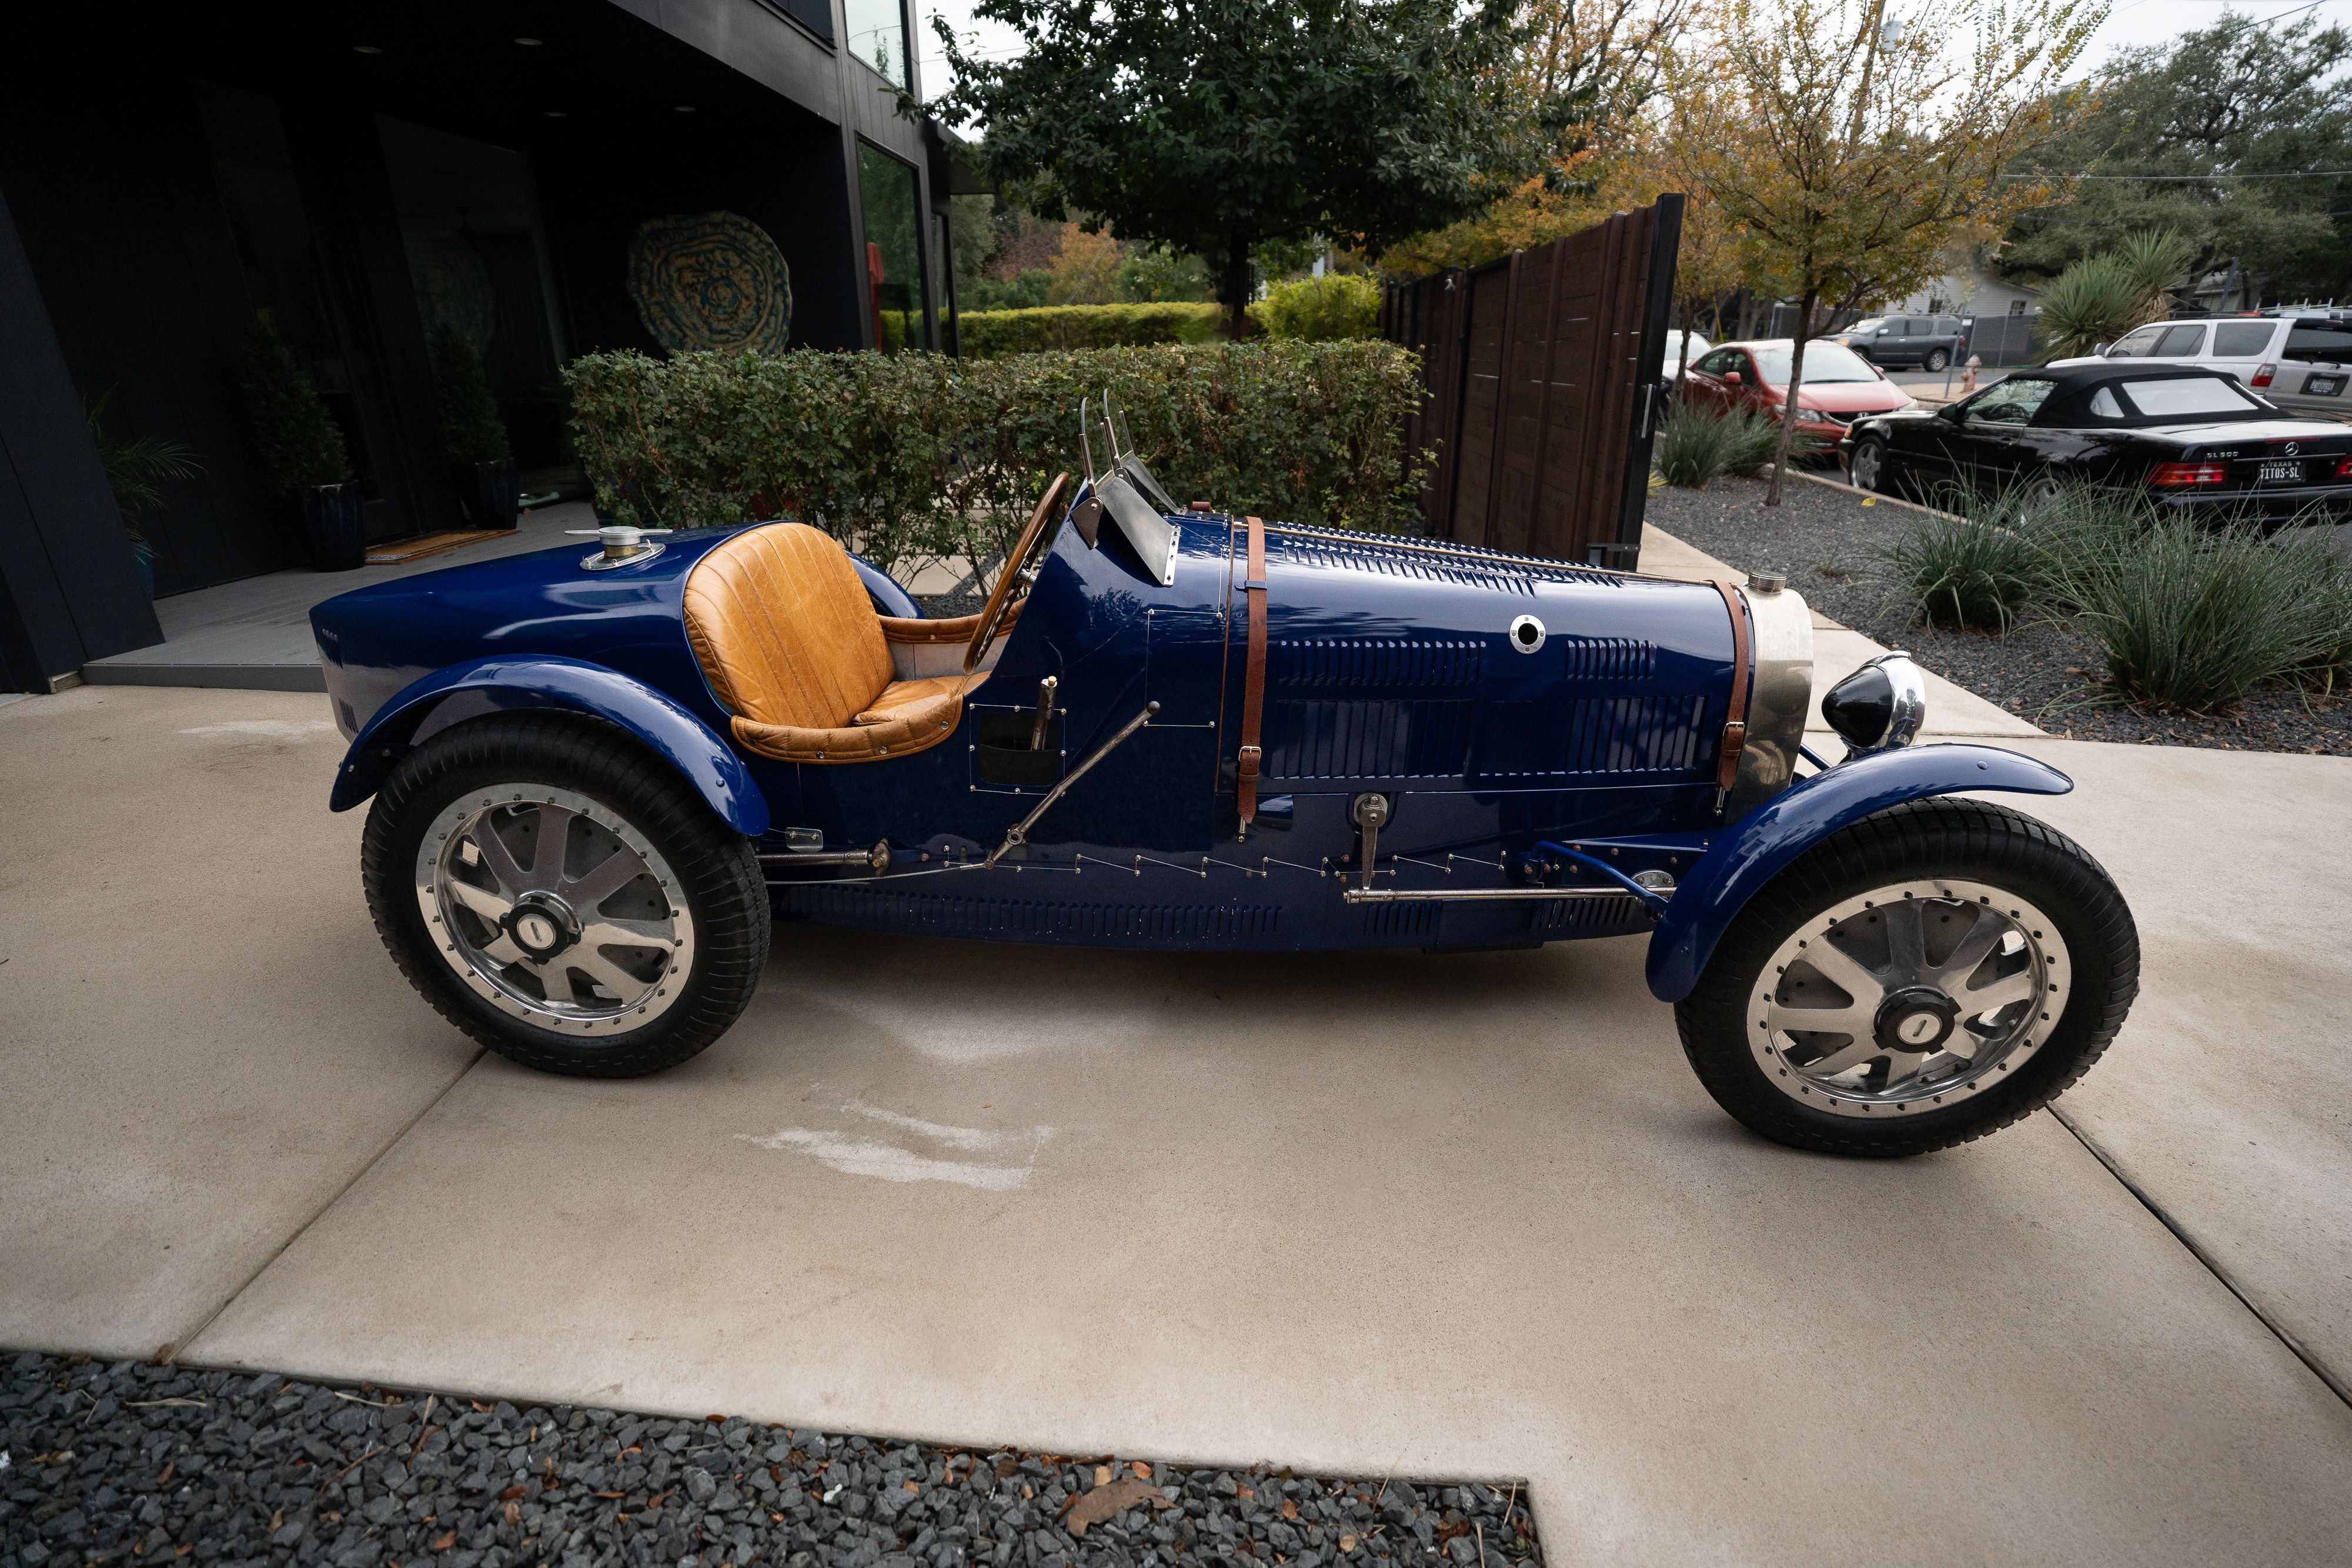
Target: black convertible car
column 2190, row 438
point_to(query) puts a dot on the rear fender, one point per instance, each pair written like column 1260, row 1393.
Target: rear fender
column 446, row 697
column 1762, row 844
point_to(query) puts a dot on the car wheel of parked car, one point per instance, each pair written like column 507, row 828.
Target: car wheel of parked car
column 1868, row 466
column 564, row 897
column 1938, row 359
column 1925, row 976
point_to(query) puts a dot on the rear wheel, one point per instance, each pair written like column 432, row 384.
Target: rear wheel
column 1923, row 977
column 1938, row 359
column 564, row 896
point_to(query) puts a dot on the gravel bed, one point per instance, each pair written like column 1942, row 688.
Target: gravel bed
column 2052, row 672
column 128, row 1461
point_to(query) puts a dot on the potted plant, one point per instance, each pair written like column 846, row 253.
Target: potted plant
column 488, row 490
column 135, row 471
column 304, row 448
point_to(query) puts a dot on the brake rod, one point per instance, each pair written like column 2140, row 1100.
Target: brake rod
column 1018, row 833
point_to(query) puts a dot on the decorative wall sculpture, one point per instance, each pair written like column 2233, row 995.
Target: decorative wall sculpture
column 711, row 280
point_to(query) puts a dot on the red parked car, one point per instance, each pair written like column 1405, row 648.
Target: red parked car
column 1839, row 385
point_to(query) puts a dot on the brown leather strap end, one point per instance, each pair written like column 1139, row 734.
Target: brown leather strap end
column 1735, row 727
column 1252, row 677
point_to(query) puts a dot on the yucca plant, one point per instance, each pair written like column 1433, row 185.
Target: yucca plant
column 2100, row 298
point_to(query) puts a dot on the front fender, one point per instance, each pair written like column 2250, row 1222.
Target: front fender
column 1756, row 848
column 427, row 706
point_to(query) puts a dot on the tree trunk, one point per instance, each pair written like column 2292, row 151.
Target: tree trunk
column 1234, row 288
column 1789, row 405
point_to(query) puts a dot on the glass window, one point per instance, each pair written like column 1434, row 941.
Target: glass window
column 2137, row 345
column 894, row 249
column 2188, row 397
column 2320, row 343
column 2104, row 403
column 1823, row 363
column 1717, row 362
column 2242, row 340
column 877, row 36
column 1868, row 324
column 2014, row 402
column 2180, row 343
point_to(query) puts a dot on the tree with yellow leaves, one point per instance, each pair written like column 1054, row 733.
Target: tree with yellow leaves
column 1850, row 144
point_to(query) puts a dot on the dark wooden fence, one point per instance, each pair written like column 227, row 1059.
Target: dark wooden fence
column 1541, row 375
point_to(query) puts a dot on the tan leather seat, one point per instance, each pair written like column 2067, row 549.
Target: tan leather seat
column 789, row 642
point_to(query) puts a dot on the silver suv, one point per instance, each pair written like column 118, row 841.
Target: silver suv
column 2298, row 358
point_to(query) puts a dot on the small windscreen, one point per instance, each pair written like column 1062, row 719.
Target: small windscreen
column 2191, row 397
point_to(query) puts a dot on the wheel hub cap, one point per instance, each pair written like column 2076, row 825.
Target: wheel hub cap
column 555, row 909
column 1906, row 997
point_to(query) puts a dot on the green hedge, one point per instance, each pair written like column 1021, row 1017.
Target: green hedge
column 917, row 457
column 992, row 334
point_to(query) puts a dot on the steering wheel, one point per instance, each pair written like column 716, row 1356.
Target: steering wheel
column 999, row 598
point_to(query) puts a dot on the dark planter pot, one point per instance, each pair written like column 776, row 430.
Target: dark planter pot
column 327, row 526
column 488, row 493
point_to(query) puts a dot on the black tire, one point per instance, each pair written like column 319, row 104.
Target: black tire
column 1872, row 467
column 1937, row 358
column 1943, row 838
column 717, row 872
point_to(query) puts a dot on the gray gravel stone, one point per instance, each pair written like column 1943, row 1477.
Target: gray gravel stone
column 260, row 1469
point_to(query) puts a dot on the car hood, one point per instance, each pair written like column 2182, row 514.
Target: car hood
column 1848, row 397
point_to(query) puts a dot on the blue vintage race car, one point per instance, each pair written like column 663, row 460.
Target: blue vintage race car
column 599, row 778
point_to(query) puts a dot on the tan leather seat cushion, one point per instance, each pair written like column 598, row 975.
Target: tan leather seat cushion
column 780, row 619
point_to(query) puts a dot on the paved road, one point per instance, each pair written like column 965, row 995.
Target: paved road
column 1466, row 1214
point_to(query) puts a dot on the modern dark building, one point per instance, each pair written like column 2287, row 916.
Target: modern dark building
column 529, row 172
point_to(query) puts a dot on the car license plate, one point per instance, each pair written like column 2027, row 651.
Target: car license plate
column 2322, row 386
column 2287, row 473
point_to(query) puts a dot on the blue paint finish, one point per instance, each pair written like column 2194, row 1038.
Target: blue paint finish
column 1389, row 669
column 1763, row 844
column 498, row 683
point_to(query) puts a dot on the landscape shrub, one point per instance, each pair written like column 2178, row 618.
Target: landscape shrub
column 2194, row 617
column 2004, row 552
column 1695, row 443
column 992, row 334
column 1321, row 310
column 917, row 457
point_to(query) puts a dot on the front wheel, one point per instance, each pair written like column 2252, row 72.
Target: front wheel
column 564, row 896
column 1868, row 467
column 1923, row 977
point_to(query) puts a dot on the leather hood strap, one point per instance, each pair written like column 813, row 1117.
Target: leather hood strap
column 1253, row 676
column 1735, row 728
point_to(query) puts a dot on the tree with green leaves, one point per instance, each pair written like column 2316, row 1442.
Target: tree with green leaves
column 2100, row 298
column 1852, row 149
column 1218, row 126
column 2235, row 127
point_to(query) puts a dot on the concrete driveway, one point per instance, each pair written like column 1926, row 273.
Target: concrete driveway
column 1443, row 1215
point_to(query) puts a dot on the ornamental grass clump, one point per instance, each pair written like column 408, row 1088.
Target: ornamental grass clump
column 1695, row 443
column 2196, row 617
column 1999, row 554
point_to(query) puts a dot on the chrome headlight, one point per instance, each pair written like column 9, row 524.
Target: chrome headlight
column 1879, row 706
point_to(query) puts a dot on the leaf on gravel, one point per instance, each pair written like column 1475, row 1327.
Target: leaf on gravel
column 511, row 1493
column 1106, row 1501
column 1140, row 1469
column 514, row 1513
column 1347, row 1543
column 1289, row 1508
column 444, row 1542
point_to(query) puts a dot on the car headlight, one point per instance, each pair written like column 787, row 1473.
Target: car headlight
column 1879, row 706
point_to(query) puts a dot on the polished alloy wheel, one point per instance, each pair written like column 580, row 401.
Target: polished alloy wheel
column 554, row 909
column 1866, row 466
column 1909, row 996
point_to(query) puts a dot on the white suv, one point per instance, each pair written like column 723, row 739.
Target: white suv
column 2298, row 358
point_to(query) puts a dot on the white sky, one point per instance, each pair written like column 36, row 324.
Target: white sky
column 2132, row 22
